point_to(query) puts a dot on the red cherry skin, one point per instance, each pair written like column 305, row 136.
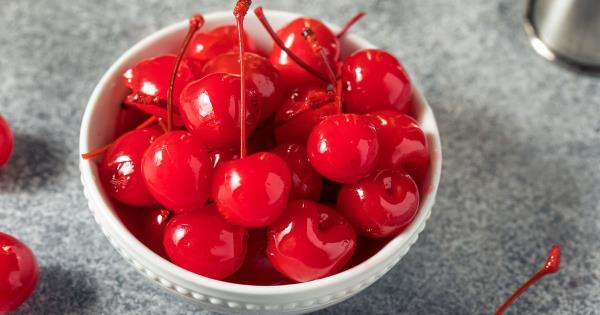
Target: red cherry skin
column 260, row 71
column 301, row 112
column 177, row 170
column 206, row 46
column 375, row 80
column 129, row 118
column 121, row 168
column 306, row 182
column 381, row 205
column 291, row 35
column 19, row 273
column 257, row 268
column 252, row 191
column 343, row 147
column 150, row 79
column 402, row 143
column 6, row 141
column 210, row 109
column 202, row 241
column 310, row 241
column 153, row 229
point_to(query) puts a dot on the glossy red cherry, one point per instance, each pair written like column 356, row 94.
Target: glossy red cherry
column 402, row 143
column 202, row 241
column 252, row 191
column 375, row 80
column 381, row 205
column 153, row 229
column 18, row 273
column 310, row 241
column 291, row 35
column 257, row 268
column 149, row 79
column 301, row 112
column 210, row 109
column 177, row 170
column 343, row 147
column 208, row 45
column 306, row 182
column 121, row 168
column 6, row 141
column 260, row 71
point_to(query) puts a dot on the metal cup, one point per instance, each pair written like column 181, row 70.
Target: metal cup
column 566, row 31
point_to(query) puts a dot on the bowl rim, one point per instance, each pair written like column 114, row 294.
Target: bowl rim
column 95, row 194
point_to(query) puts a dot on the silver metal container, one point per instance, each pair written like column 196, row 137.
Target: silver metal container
column 566, row 31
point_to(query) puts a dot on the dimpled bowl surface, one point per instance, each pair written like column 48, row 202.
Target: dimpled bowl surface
column 97, row 129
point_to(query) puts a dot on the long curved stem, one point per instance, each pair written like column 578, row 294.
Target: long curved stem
column 196, row 22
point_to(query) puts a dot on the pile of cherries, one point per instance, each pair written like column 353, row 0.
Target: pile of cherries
column 268, row 179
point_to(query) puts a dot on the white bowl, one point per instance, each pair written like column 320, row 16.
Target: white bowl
column 97, row 129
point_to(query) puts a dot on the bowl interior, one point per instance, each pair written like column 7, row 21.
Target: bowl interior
column 100, row 117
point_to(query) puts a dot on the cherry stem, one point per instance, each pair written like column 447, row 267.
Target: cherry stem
column 349, row 24
column 263, row 20
column 309, row 36
column 196, row 22
column 240, row 10
column 101, row 150
column 339, row 88
column 552, row 265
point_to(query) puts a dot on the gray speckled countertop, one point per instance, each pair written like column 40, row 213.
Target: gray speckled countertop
column 521, row 142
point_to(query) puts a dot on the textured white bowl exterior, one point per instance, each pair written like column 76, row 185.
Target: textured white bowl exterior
column 97, row 130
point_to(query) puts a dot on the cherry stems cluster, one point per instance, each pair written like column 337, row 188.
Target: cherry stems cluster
column 552, row 265
column 265, row 23
column 240, row 10
column 196, row 22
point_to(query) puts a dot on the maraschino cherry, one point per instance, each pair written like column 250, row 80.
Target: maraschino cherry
column 375, row 80
column 210, row 108
column 6, row 141
column 306, row 182
column 250, row 191
column 121, row 168
column 293, row 67
column 264, row 77
column 18, row 273
column 551, row 266
column 177, row 166
column 149, row 79
column 153, row 229
column 402, row 143
column 310, row 241
column 206, row 46
column 343, row 147
column 381, row 205
column 202, row 241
